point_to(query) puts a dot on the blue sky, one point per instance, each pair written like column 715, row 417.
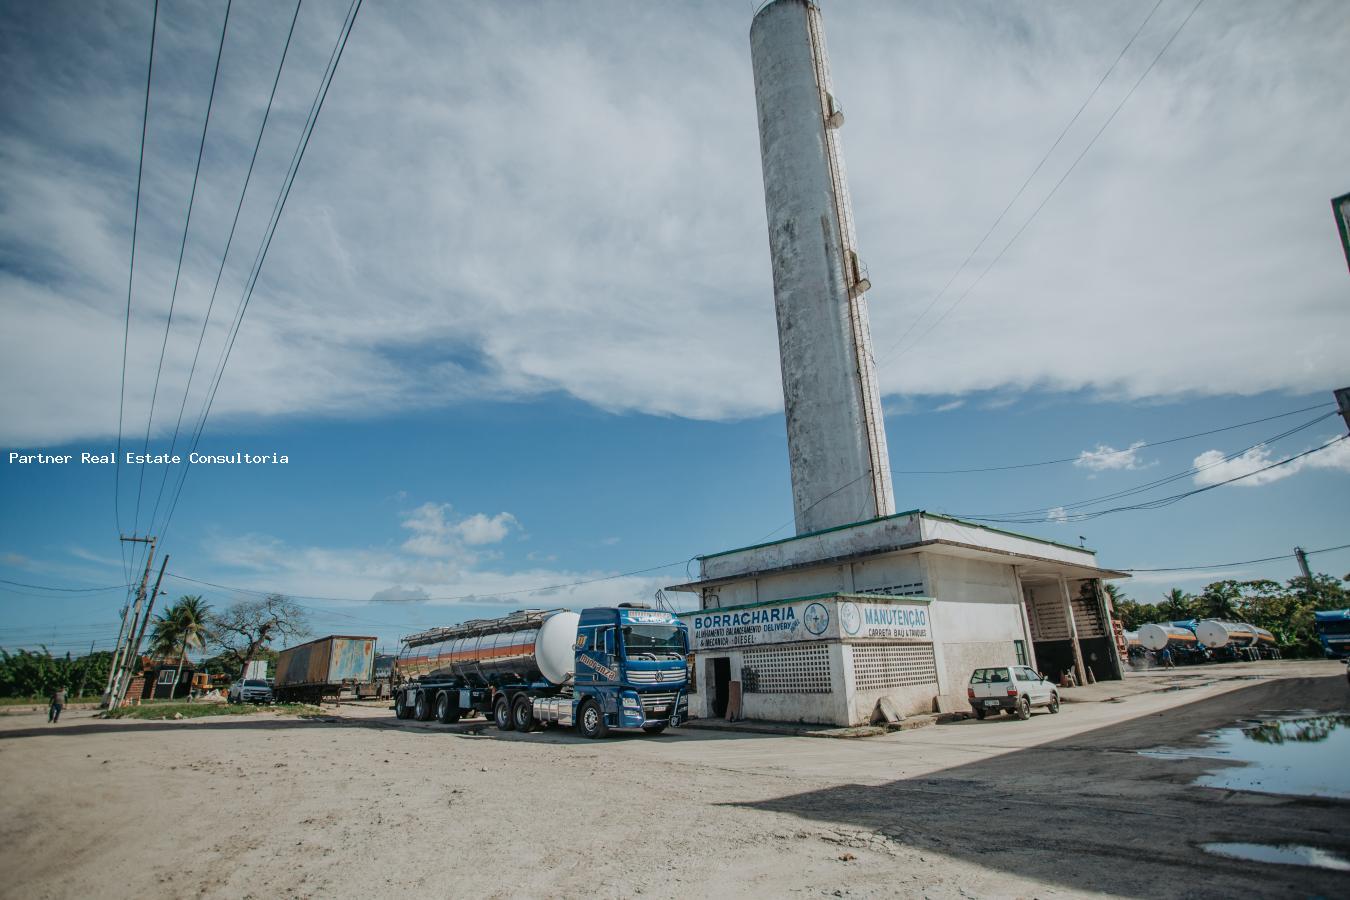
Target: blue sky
column 516, row 327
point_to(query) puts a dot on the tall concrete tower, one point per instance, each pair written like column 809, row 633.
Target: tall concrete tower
column 836, row 432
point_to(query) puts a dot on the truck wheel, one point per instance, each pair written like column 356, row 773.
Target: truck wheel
column 401, row 710
column 446, row 710
column 501, row 714
column 591, row 721
column 1054, row 703
column 654, row 729
column 421, row 708
column 522, row 713
column 1024, row 709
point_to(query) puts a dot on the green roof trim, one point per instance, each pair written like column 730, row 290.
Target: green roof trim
column 919, row 512
column 829, row 595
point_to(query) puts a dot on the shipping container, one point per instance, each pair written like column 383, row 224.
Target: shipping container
column 328, row 666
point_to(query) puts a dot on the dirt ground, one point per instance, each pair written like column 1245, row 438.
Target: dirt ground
column 360, row 805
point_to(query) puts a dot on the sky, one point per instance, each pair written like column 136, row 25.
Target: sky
column 515, row 329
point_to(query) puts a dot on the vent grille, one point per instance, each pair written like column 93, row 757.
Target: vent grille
column 884, row 665
column 787, row 669
column 656, row 676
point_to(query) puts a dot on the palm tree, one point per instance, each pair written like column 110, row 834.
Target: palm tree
column 190, row 616
column 1177, row 605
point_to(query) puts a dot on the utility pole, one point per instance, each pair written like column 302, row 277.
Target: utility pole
column 135, row 645
column 129, row 619
column 1343, row 401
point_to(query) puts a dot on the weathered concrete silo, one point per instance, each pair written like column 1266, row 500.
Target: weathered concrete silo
column 836, row 432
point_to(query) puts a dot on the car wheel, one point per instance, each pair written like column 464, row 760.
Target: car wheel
column 980, row 714
column 522, row 713
column 1024, row 709
column 1054, row 703
column 501, row 713
column 591, row 721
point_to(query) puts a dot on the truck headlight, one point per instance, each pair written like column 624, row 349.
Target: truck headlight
column 632, row 702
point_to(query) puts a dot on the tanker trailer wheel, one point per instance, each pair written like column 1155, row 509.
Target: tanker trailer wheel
column 501, row 714
column 447, row 711
column 422, row 708
column 522, row 713
column 401, row 710
column 591, row 721
column 1024, row 709
column 1054, row 702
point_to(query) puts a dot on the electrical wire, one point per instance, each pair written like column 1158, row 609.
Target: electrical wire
column 1174, row 498
column 1021, row 190
column 297, row 159
column 1245, row 562
column 1067, row 172
column 229, row 242
column 43, row 587
column 178, row 271
column 131, row 278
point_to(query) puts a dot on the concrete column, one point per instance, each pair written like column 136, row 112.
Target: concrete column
column 1108, row 625
column 1026, row 623
column 1073, row 629
column 841, row 679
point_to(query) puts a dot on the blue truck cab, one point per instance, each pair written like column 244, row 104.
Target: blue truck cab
column 630, row 670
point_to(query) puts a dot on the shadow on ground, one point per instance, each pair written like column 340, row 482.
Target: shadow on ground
column 1090, row 813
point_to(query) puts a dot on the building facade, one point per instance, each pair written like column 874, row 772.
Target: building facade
column 818, row 627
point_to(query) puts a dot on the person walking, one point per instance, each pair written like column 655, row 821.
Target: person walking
column 58, row 702
column 1167, row 658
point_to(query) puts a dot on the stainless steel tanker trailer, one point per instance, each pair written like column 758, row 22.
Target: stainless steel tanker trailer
column 1237, row 639
column 620, row 667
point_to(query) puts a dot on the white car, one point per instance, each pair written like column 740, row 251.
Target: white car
column 1013, row 689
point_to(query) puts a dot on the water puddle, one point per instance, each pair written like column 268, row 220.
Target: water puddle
column 1302, row 755
column 1281, row 854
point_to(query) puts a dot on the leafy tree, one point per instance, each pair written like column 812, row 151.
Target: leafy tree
column 1176, row 606
column 1219, row 600
column 246, row 628
column 30, row 673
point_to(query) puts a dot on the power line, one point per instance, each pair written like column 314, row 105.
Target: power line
column 1021, row 190
column 1142, row 446
column 131, row 277
column 178, row 270
column 1245, row 562
column 1058, row 183
column 43, row 587
column 239, row 207
column 306, row 133
column 1041, row 512
column 1174, row 498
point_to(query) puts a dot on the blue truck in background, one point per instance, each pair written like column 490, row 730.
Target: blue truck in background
column 1333, row 630
column 597, row 670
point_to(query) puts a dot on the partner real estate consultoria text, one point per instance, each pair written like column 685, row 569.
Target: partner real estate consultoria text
column 238, row 458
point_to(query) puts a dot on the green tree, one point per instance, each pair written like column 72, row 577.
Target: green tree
column 247, row 628
column 1176, row 606
column 1219, row 600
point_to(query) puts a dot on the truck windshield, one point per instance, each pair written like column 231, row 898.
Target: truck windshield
column 653, row 640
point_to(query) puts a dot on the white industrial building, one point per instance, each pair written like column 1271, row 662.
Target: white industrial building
column 818, row 627
column 864, row 602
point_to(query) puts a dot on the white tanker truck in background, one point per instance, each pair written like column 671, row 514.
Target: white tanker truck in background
column 607, row 667
column 1206, row 640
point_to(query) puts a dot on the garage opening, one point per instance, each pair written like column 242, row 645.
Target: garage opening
column 719, row 674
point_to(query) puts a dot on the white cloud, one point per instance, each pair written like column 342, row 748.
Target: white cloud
column 610, row 541
column 435, row 533
column 949, row 406
column 1105, row 458
column 1057, row 514
column 1214, row 469
column 535, row 201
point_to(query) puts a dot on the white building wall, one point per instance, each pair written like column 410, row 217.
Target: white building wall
column 976, row 617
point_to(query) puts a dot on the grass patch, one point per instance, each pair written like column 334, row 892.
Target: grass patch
column 167, row 710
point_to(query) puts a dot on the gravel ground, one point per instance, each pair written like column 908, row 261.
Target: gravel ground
column 360, row 805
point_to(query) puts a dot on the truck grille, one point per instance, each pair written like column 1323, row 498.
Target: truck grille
column 660, row 705
column 655, row 676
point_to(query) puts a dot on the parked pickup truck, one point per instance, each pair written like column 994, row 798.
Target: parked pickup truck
column 1013, row 689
